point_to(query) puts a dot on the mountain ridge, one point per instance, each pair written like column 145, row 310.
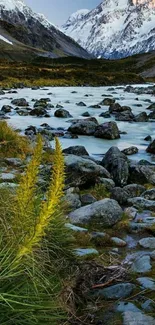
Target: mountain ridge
column 115, row 28
column 35, row 31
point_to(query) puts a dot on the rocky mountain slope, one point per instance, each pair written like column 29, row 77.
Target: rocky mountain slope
column 115, row 29
column 26, row 28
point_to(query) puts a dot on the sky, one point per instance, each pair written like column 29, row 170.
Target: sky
column 58, row 11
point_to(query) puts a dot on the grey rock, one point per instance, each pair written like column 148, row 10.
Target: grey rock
column 20, row 102
column 87, row 199
column 151, row 147
column 107, row 131
column 6, row 109
column 149, row 194
column 126, row 306
column 107, row 182
column 141, row 203
column 76, row 150
column 148, row 242
column 147, row 283
column 62, row 113
column 83, row 127
column 120, row 195
column 130, row 151
column 132, row 318
column 81, row 104
column 106, row 212
column 82, row 171
column 76, row 228
column 73, row 200
column 148, row 305
column 142, row 264
column 117, row 164
column 118, row 242
column 141, row 117
column 118, row 291
column 134, row 190
column 153, row 255
column 125, row 116
column 81, row 252
column 107, row 101
column 141, row 174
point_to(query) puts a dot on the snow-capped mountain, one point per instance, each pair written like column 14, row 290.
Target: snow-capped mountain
column 34, row 30
column 115, row 28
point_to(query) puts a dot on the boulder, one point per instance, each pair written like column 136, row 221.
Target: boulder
column 141, row 203
column 87, row 199
column 38, row 111
column 59, row 106
column 115, row 108
column 149, row 194
column 85, row 114
column 141, row 117
column 105, row 114
column 148, row 242
column 137, row 318
column 76, row 150
column 107, row 131
column 117, row 291
column 82, row 171
column 148, row 138
column 20, row 102
column 120, row 195
column 106, row 213
column 151, row 147
column 151, row 107
column 141, row 174
column 117, row 165
column 6, row 109
column 83, row 127
column 62, row 113
column 125, row 116
column 107, row 101
column 130, row 151
column 118, row 242
column 152, row 115
column 82, row 104
column 147, row 283
column 142, row 264
column 107, row 182
column 95, row 106
column 134, row 190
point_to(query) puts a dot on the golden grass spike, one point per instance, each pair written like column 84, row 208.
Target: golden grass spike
column 49, row 207
column 23, row 219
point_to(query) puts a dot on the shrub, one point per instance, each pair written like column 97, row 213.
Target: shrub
column 32, row 236
column 11, row 143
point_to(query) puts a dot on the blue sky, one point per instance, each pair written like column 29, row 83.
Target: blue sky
column 57, row 11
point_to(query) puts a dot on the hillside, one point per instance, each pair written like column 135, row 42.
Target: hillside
column 26, row 28
column 71, row 71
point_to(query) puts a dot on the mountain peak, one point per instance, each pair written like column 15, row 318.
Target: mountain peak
column 11, row 4
column 116, row 28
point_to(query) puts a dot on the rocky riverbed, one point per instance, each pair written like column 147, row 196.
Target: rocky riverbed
column 108, row 139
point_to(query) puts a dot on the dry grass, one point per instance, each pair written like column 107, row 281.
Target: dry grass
column 11, row 143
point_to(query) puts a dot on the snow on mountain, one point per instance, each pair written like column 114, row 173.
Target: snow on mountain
column 4, row 39
column 35, row 30
column 115, row 28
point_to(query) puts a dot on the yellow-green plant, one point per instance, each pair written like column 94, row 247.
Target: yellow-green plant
column 28, row 240
column 11, row 143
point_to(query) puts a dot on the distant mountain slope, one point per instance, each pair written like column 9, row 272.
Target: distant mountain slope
column 115, row 28
column 35, row 31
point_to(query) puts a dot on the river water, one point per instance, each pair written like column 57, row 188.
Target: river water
column 136, row 132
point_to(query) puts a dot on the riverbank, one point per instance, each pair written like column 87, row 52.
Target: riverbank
column 107, row 134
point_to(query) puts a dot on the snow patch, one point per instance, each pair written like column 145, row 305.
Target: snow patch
column 5, row 40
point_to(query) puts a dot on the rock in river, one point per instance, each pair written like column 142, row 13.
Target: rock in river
column 107, row 131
